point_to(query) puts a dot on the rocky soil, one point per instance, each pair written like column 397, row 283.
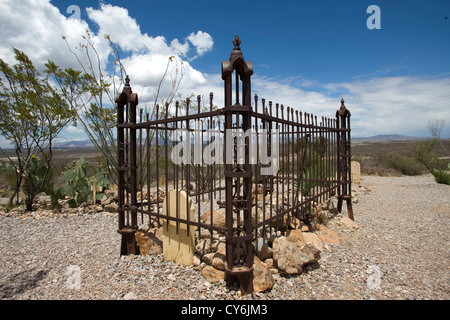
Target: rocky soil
column 399, row 251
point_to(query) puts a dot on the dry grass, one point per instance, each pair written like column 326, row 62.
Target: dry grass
column 374, row 156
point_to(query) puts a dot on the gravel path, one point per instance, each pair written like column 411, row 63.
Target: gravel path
column 400, row 251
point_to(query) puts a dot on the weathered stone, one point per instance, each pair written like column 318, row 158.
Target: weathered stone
column 207, row 258
column 203, row 246
column 328, row 235
column 269, row 262
column 212, row 274
column 349, row 223
column 262, row 276
column 304, row 237
column 112, row 193
column 218, row 261
column 218, row 217
column 149, row 241
column 105, row 200
column 263, row 250
column 220, row 247
column 295, row 236
column 95, row 208
column 112, row 207
column 294, row 223
column 178, row 243
column 196, row 261
column 292, row 254
column 309, row 237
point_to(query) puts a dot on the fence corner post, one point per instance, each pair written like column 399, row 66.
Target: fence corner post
column 127, row 102
column 344, row 159
column 238, row 176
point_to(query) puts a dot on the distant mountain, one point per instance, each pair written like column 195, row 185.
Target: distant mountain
column 73, row 144
column 382, row 137
column 388, row 137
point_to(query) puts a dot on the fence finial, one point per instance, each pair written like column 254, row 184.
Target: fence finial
column 127, row 87
column 237, row 43
column 343, row 111
column 236, row 50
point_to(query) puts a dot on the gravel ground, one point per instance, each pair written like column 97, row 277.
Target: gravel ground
column 400, row 251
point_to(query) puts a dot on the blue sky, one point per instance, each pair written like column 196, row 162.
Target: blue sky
column 321, row 40
column 306, row 54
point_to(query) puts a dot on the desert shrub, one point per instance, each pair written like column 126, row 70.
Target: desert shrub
column 405, row 165
column 441, row 176
column 7, row 179
column 37, row 178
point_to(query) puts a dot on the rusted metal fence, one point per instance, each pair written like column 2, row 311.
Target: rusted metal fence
column 250, row 167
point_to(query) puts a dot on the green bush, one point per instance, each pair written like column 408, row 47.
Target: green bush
column 406, row 166
column 37, row 178
column 441, row 176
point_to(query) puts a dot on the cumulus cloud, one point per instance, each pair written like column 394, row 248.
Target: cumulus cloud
column 402, row 104
column 73, row 129
column 149, row 59
column 379, row 104
column 382, row 105
column 202, row 42
column 36, row 27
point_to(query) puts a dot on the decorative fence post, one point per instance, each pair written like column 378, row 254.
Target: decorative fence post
column 344, row 159
column 127, row 102
column 238, row 175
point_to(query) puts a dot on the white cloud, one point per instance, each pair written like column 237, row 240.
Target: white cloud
column 73, row 129
column 401, row 104
column 180, row 48
column 124, row 30
column 383, row 105
column 150, row 58
column 202, row 42
column 289, row 94
column 36, row 27
column 379, row 104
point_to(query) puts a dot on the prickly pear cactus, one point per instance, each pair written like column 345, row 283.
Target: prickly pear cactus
column 78, row 185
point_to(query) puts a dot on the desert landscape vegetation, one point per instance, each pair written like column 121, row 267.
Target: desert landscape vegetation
column 377, row 158
column 72, row 214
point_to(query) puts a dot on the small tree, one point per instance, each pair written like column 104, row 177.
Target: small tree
column 435, row 129
column 98, row 116
column 32, row 114
column 426, row 156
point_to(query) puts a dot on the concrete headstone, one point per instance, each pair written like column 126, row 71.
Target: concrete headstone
column 178, row 243
column 356, row 172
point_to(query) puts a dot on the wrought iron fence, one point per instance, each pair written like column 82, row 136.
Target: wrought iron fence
column 250, row 167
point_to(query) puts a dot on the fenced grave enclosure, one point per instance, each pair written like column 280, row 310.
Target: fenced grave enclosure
column 249, row 170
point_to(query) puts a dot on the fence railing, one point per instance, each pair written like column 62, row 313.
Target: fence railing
column 250, row 168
